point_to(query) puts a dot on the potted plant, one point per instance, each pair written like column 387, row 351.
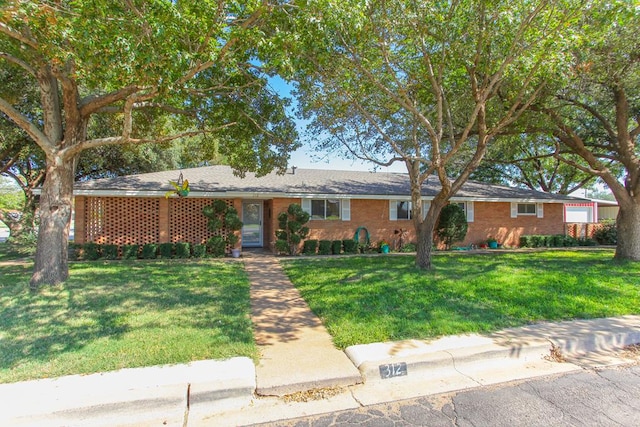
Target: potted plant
column 493, row 243
column 384, row 246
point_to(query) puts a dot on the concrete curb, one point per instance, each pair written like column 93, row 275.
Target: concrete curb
column 517, row 345
column 130, row 396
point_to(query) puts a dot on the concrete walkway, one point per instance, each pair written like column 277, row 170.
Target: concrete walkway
column 296, row 351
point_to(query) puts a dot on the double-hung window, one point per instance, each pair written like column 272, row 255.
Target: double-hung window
column 328, row 209
column 527, row 209
column 399, row 209
column 325, row 209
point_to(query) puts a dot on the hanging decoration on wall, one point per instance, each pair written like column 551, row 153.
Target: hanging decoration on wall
column 180, row 187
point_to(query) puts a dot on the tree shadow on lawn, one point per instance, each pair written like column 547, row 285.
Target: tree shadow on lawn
column 112, row 300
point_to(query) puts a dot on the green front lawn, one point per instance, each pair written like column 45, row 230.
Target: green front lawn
column 372, row 299
column 112, row 315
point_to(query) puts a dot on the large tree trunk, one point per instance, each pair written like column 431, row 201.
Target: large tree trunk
column 424, row 232
column 628, row 225
column 51, row 262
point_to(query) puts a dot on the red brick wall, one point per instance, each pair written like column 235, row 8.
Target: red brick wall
column 491, row 219
column 137, row 220
column 494, row 219
column 125, row 220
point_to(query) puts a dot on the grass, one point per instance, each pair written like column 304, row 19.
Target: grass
column 363, row 299
column 112, row 315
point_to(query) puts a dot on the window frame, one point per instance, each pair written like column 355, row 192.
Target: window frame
column 325, row 203
column 534, row 213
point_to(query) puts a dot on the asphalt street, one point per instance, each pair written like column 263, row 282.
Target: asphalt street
column 607, row 397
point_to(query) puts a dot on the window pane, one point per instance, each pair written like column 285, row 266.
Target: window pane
column 463, row 206
column 317, row 209
column 527, row 208
column 333, row 209
column 404, row 210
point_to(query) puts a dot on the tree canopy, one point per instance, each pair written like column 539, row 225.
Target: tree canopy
column 429, row 84
column 139, row 63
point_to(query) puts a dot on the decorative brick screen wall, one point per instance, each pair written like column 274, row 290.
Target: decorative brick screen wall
column 582, row 230
column 121, row 220
column 133, row 220
column 187, row 223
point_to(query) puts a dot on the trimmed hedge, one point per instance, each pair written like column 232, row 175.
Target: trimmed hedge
column 165, row 250
column 130, row 251
column 91, row 251
column 199, row 251
column 336, row 247
column 324, row 247
column 94, row 251
column 554, row 241
column 350, row 246
column 150, row 251
column 182, row 250
column 309, row 247
column 110, row 251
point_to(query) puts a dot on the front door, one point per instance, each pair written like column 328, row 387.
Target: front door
column 252, row 224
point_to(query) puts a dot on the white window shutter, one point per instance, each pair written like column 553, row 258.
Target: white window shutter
column 470, row 213
column 425, row 209
column 393, row 210
column 306, row 205
column 345, row 205
column 514, row 210
column 539, row 210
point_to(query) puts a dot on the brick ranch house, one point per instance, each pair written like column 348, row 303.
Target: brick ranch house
column 133, row 209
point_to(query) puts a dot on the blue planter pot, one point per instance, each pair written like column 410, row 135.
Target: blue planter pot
column 493, row 245
column 384, row 249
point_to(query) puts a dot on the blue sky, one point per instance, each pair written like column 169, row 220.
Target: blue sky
column 307, row 158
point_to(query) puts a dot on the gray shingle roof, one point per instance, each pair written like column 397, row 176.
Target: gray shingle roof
column 221, row 179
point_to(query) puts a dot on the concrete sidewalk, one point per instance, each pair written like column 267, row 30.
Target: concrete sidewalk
column 296, row 351
column 297, row 355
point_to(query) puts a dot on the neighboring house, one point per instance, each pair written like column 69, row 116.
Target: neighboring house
column 584, row 218
column 133, row 209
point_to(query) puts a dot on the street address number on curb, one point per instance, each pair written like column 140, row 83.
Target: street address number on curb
column 391, row 370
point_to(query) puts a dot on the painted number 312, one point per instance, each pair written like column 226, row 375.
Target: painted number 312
column 391, row 370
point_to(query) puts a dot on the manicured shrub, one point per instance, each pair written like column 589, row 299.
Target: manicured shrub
column 452, row 225
column 216, row 246
column 607, row 234
column 222, row 217
column 324, row 247
column 586, row 241
column 291, row 229
column 350, row 246
column 130, row 251
column 282, row 247
column 165, row 250
column 76, row 252
column 309, row 247
column 110, row 251
column 91, row 251
column 150, row 251
column 336, row 247
column 182, row 250
column 199, row 251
